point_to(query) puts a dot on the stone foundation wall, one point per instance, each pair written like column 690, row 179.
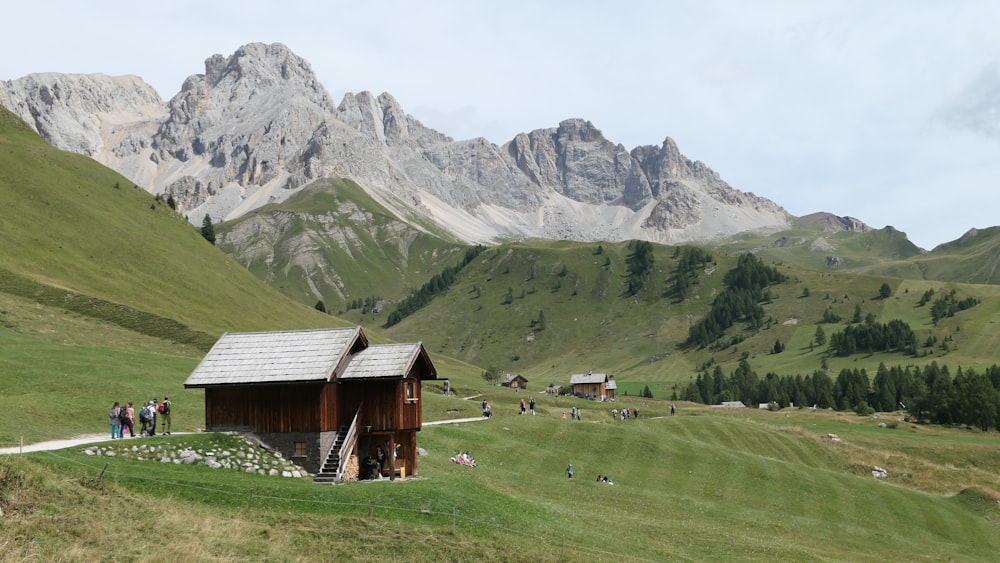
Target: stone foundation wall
column 284, row 443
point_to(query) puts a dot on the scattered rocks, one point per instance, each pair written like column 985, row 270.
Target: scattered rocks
column 248, row 458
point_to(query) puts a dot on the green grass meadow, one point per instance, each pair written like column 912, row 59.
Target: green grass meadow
column 702, row 485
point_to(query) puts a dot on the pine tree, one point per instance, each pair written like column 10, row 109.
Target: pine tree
column 820, row 336
column 207, row 229
column 885, row 291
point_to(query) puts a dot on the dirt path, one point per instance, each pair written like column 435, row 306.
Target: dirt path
column 455, row 420
column 95, row 438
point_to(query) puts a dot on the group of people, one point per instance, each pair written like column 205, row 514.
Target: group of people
column 463, row 459
column 487, row 410
column 604, row 479
column 575, row 413
column 625, row 414
column 530, row 405
column 379, row 464
column 123, row 417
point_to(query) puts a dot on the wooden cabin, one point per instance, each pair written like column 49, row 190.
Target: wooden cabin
column 319, row 397
column 589, row 385
column 515, row 381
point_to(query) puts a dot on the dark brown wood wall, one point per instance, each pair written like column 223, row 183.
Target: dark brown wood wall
column 385, row 406
column 379, row 402
column 265, row 408
column 388, row 405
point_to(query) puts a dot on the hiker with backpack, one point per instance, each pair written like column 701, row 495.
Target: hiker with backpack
column 114, row 419
column 144, row 419
column 151, row 413
column 164, row 414
column 128, row 421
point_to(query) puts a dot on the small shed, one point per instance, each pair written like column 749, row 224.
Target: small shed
column 515, row 381
column 589, row 385
column 318, row 397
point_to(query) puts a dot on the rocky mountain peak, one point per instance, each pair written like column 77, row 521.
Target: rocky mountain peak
column 257, row 65
column 252, row 86
column 80, row 112
column 257, row 126
column 579, row 130
column 383, row 117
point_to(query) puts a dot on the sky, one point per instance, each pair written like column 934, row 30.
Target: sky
column 887, row 111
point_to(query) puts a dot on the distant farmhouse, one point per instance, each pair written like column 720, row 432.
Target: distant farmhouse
column 319, row 397
column 589, row 385
column 515, row 381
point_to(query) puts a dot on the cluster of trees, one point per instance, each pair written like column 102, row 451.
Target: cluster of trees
column 746, row 287
column 690, row 261
column 870, row 336
column 638, row 266
column 437, row 284
column 949, row 304
column 929, row 393
column 829, row 317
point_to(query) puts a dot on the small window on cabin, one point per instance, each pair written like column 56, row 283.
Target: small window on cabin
column 411, row 392
column 300, row 449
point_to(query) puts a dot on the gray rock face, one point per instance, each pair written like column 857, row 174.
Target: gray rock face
column 834, row 223
column 258, row 126
column 85, row 113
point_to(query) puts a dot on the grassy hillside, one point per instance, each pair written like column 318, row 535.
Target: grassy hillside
column 549, row 309
column 812, row 248
column 75, row 228
column 105, row 293
column 332, row 242
column 973, row 258
column 590, row 325
column 703, row 485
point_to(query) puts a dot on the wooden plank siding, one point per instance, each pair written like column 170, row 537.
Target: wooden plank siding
column 266, row 408
column 589, row 389
column 384, row 404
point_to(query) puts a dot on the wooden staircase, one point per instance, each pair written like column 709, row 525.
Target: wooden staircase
column 332, row 469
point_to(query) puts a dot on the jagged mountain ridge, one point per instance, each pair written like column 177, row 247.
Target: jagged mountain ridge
column 258, row 126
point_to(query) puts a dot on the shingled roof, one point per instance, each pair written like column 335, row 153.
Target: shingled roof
column 382, row 362
column 579, row 378
column 275, row 357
